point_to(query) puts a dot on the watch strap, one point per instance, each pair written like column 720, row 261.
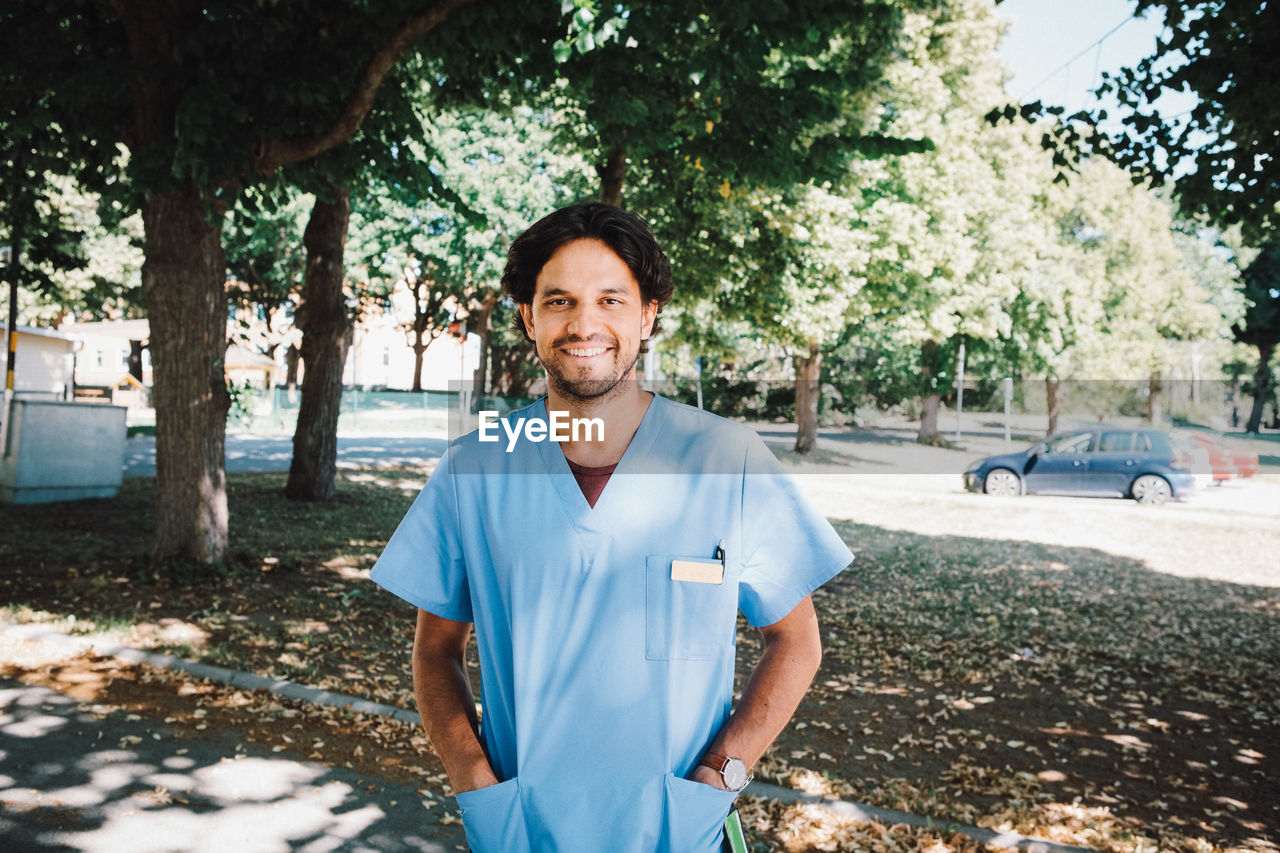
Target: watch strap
column 720, row 764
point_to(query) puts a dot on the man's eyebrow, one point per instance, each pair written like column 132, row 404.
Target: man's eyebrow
column 560, row 291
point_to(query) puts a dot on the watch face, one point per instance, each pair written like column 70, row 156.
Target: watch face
column 735, row 774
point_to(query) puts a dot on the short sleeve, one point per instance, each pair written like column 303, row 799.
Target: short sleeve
column 789, row 548
column 424, row 562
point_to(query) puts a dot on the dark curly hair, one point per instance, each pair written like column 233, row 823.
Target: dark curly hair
column 627, row 235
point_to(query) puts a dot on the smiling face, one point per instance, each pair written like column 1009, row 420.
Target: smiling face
column 587, row 320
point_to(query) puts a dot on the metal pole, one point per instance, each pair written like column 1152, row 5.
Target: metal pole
column 12, row 327
column 15, row 254
column 11, row 348
column 464, row 390
column 960, row 391
column 698, row 362
column 1008, row 410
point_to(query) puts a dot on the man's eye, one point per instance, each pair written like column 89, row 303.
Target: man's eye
column 557, row 301
column 612, row 300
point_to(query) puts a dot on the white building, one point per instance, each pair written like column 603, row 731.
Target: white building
column 44, row 364
column 103, row 358
column 380, row 356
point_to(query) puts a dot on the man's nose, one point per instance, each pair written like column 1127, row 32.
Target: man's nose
column 585, row 321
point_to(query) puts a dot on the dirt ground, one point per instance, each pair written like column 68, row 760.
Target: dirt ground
column 1087, row 671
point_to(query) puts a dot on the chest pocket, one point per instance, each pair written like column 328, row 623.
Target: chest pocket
column 688, row 619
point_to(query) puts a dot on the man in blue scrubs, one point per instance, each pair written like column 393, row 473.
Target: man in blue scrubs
column 603, row 574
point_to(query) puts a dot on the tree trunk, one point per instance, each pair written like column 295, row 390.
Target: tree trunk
column 1155, row 400
column 1053, row 403
column 808, row 373
column 930, row 354
column 183, row 285
column 326, row 335
column 1261, row 388
column 612, row 175
column 1196, row 359
column 135, row 360
column 929, row 420
column 291, row 369
column 419, row 350
column 481, row 317
column 184, row 290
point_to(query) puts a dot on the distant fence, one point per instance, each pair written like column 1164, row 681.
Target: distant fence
column 1209, row 403
column 371, row 412
column 1216, row 403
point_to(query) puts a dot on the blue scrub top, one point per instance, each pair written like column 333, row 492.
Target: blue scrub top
column 603, row 679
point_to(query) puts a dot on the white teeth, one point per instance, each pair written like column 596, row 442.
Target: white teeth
column 586, row 352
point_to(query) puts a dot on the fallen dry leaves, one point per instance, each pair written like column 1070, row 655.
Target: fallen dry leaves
column 1062, row 692
column 802, row 828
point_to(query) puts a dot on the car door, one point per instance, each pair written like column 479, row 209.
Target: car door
column 1113, row 461
column 1062, row 465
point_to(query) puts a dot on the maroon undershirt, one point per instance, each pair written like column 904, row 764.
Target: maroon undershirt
column 591, row 480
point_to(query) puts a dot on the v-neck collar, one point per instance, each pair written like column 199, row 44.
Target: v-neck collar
column 581, row 513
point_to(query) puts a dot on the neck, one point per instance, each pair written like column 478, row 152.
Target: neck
column 621, row 411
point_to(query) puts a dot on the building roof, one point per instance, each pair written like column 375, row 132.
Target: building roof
column 131, row 330
column 241, row 358
column 39, row 332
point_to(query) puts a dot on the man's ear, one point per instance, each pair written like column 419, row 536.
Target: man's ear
column 526, row 314
column 649, row 314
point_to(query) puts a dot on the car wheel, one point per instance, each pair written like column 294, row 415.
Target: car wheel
column 1002, row 481
column 1151, row 489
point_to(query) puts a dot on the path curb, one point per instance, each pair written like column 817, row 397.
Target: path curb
column 38, row 633
column 222, row 675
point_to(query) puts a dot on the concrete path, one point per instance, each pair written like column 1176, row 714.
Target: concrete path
column 74, row 780
column 247, row 453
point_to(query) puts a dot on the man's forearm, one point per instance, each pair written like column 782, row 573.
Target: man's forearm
column 446, row 703
column 792, row 655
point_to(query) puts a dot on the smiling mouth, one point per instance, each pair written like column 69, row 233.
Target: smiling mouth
column 585, row 352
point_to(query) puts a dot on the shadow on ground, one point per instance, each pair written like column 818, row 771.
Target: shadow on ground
column 71, row 779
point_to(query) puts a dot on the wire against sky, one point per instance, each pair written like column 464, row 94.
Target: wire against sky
column 1096, row 44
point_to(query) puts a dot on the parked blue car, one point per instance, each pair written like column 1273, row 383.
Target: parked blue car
column 1142, row 464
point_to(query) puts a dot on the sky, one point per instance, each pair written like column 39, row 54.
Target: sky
column 1058, row 49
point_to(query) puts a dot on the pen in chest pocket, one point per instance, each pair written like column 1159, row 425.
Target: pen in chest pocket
column 697, row 570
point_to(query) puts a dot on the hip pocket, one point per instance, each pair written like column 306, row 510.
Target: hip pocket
column 694, row 816
column 687, row 619
column 493, row 818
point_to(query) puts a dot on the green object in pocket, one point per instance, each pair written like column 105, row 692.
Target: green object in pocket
column 735, row 841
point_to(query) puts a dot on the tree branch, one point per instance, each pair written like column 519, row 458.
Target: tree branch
column 271, row 154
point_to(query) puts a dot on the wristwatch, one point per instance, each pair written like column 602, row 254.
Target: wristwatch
column 732, row 770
